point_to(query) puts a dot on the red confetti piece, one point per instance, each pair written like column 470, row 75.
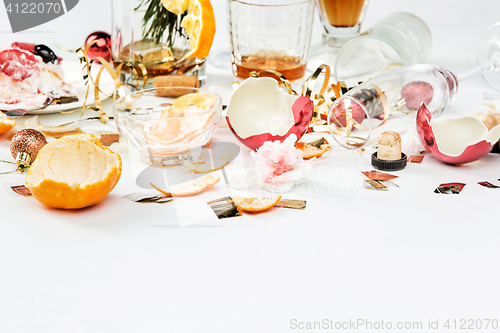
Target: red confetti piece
column 377, row 175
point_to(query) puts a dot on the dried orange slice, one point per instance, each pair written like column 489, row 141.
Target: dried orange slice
column 310, row 151
column 6, row 124
column 73, row 172
column 191, row 187
column 199, row 24
column 176, row 6
column 255, row 204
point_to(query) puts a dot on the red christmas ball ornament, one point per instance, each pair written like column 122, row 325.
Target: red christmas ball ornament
column 101, row 45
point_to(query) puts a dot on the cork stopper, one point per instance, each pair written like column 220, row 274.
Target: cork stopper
column 389, row 146
column 175, row 85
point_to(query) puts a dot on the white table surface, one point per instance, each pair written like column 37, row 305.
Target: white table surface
column 406, row 255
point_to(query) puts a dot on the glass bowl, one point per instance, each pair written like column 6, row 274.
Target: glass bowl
column 168, row 130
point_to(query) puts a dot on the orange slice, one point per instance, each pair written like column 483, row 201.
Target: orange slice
column 176, row 6
column 6, row 124
column 73, row 172
column 191, row 187
column 255, row 204
column 199, row 24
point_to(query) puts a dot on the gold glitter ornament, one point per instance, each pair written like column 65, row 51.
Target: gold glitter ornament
column 25, row 146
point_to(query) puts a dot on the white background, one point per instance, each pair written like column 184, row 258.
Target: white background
column 402, row 255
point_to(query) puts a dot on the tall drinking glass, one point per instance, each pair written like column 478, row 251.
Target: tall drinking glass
column 267, row 36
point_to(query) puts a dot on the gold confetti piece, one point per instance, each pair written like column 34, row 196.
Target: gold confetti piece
column 109, row 139
column 416, row 158
column 224, row 207
column 289, row 203
column 22, row 190
column 142, row 197
column 377, row 175
column 378, row 185
column 450, row 188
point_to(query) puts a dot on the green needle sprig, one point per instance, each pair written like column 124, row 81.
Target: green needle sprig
column 157, row 20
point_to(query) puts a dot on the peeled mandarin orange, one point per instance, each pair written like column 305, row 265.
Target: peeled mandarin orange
column 6, row 124
column 176, row 6
column 199, row 24
column 73, row 172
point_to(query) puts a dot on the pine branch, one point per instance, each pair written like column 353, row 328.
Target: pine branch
column 157, row 19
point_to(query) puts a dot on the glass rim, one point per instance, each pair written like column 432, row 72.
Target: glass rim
column 402, row 56
column 215, row 107
column 245, row 2
column 363, row 107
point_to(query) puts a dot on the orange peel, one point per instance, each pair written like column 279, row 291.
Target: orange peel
column 203, row 167
column 194, row 186
column 6, row 124
column 310, row 151
column 255, row 204
column 73, row 172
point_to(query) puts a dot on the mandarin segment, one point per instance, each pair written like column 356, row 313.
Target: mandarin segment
column 73, row 172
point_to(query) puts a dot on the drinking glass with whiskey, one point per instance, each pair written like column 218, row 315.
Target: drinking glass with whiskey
column 267, row 36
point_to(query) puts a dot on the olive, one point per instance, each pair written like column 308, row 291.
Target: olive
column 46, row 53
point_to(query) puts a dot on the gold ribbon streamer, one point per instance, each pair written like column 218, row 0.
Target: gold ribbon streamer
column 310, row 83
column 282, row 78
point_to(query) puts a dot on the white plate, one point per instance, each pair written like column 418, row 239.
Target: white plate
column 73, row 75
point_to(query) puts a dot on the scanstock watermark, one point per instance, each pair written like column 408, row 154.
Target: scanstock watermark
column 354, row 324
column 450, row 324
column 26, row 14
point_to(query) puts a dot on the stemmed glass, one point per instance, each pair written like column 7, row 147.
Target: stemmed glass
column 404, row 89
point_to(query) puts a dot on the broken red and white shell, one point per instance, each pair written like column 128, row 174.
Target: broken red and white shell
column 258, row 111
column 455, row 140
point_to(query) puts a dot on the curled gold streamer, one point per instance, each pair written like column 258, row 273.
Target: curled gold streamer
column 309, row 84
column 282, row 78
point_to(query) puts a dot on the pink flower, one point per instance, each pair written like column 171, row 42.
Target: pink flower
column 279, row 165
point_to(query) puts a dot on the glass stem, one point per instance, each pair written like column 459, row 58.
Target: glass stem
column 489, row 66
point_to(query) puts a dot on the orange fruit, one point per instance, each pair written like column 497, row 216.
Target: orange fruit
column 199, row 24
column 176, row 6
column 255, row 204
column 6, row 124
column 73, row 172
